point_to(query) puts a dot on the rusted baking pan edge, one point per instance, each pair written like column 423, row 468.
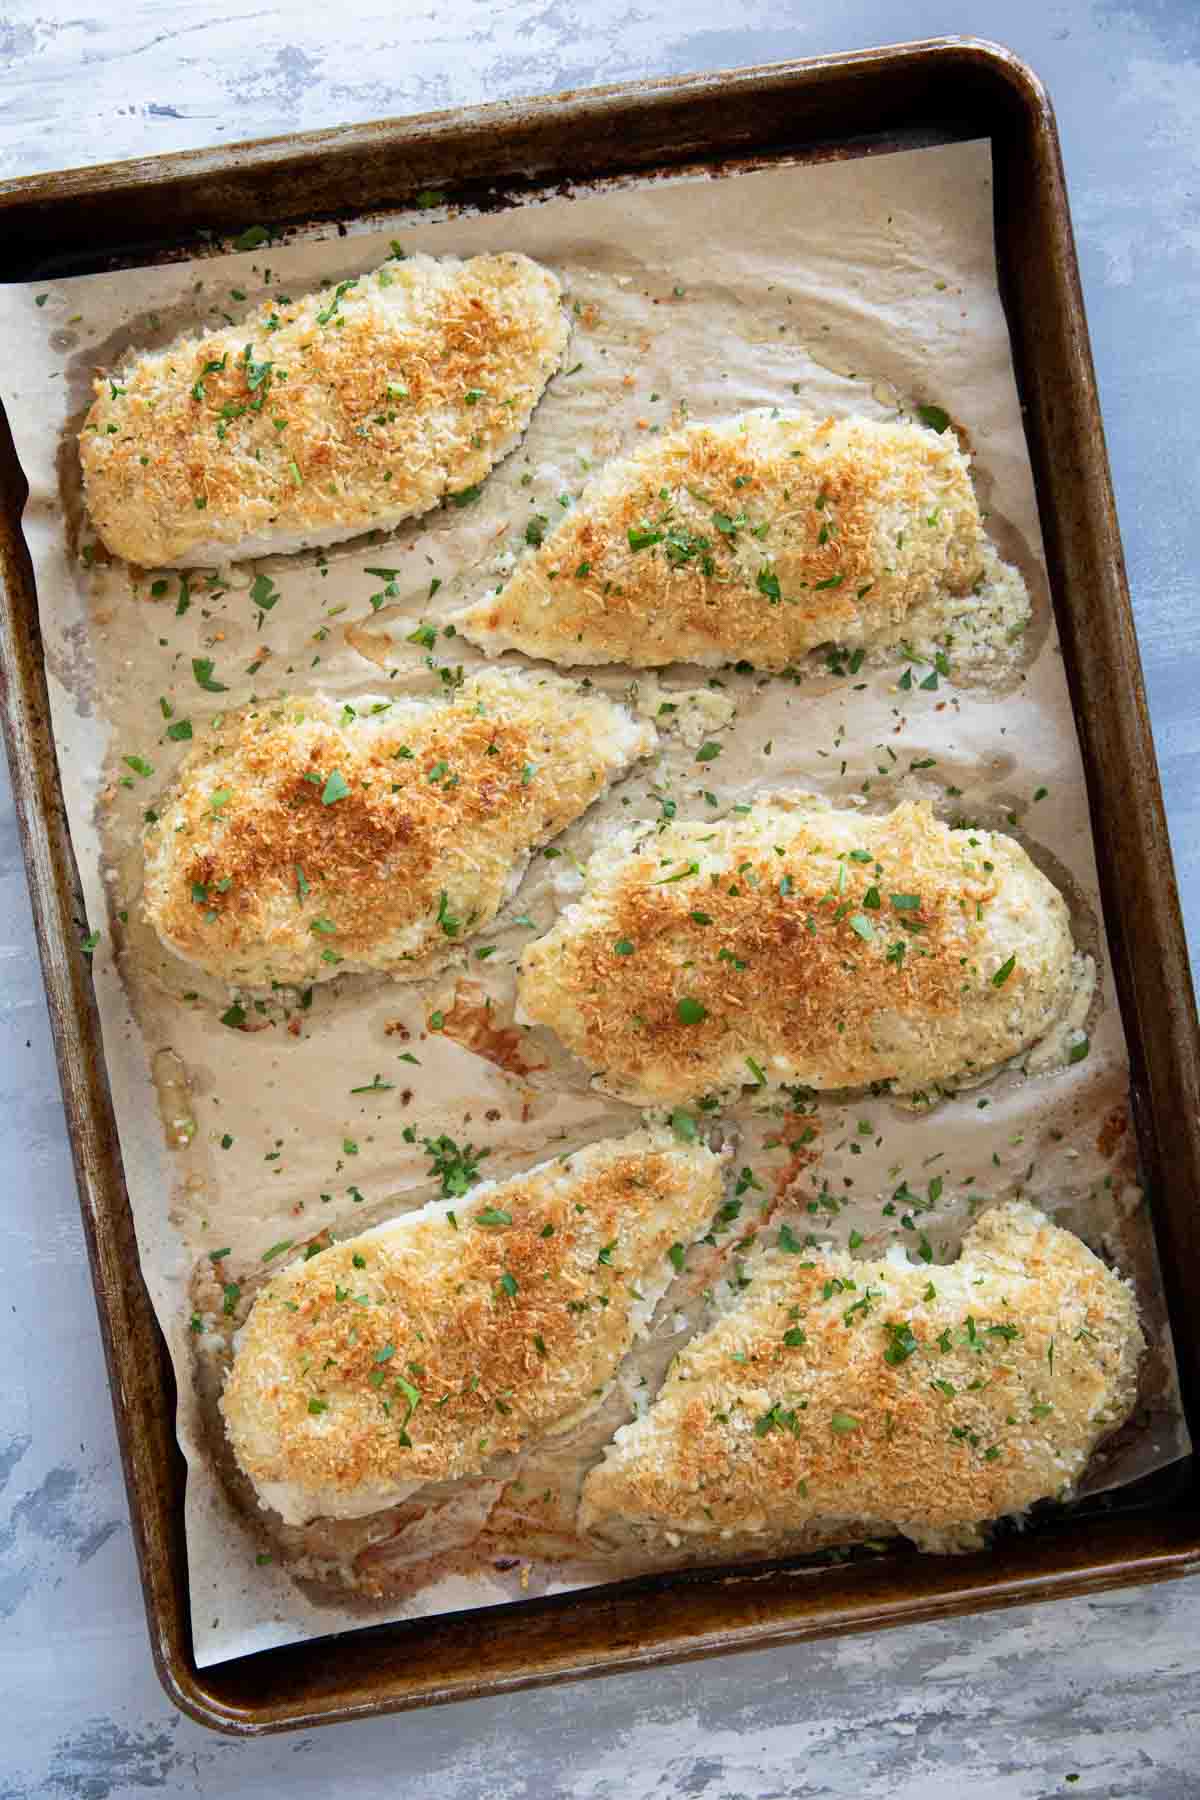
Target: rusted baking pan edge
column 872, row 101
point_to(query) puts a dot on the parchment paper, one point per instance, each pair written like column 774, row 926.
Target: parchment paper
column 866, row 286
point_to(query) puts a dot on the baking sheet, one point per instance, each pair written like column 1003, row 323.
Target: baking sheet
column 866, row 286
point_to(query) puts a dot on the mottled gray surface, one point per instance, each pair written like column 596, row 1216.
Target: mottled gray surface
column 1001, row 1708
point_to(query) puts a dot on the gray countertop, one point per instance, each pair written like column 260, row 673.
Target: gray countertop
column 1089, row 1698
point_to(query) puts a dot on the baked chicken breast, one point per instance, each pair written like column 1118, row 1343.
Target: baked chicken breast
column 798, row 944
column 316, row 419
column 306, row 837
column 421, row 1350
column 920, row 1399
column 756, row 538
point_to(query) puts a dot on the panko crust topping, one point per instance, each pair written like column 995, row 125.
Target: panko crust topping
column 419, row 1350
column 315, row 419
column 757, row 538
column 304, row 837
column 931, row 1399
column 801, row 945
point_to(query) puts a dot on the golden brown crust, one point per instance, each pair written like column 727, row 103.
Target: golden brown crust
column 759, row 538
column 466, row 1335
column 317, row 418
column 824, row 948
column 927, row 1398
column 303, row 838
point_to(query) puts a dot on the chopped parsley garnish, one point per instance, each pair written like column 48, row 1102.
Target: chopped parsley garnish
column 1004, row 971
column 680, row 874
column 677, row 1254
column 682, row 546
column 457, row 1168
column 336, row 788
column 258, row 376
column 843, row 1423
column 934, row 416
column 776, row 1418
column 202, row 669
column 251, row 238
column 446, row 919
column 683, row 1125
column 708, row 752
column 901, row 1344
column 263, row 592
column 690, row 1012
